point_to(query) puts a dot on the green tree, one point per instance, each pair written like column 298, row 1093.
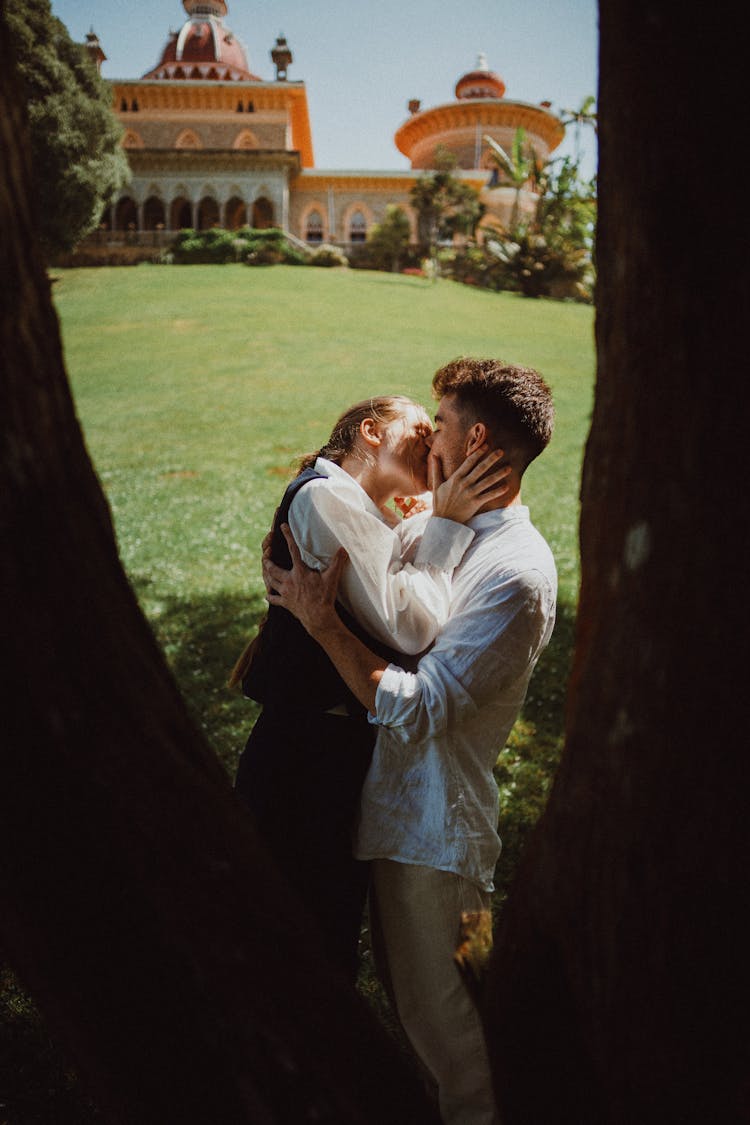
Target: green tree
column 522, row 167
column 445, row 206
column 553, row 251
column 388, row 241
column 77, row 162
column 585, row 115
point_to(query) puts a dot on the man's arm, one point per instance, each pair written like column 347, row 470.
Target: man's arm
column 403, row 604
column 485, row 654
column 311, row 596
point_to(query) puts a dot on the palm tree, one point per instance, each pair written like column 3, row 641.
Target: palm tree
column 522, row 167
column 585, row 115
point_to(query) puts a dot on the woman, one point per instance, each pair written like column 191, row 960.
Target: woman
column 302, row 769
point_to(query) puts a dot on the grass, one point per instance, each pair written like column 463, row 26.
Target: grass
column 197, row 386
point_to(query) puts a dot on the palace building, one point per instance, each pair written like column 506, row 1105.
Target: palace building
column 210, row 143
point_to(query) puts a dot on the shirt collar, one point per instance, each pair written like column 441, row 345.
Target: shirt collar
column 499, row 517
column 348, row 484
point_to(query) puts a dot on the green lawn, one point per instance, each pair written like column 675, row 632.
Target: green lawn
column 197, row 386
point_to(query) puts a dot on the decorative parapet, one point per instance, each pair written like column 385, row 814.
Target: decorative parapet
column 229, row 162
column 470, row 113
column 157, row 97
column 353, row 181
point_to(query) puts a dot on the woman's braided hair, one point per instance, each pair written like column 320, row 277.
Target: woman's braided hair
column 343, row 439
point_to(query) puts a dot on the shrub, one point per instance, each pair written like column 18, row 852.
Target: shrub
column 270, row 247
column 218, row 246
column 328, row 256
column 213, row 246
column 388, row 241
column 264, row 254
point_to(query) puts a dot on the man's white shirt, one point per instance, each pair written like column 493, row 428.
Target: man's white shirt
column 481, row 599
column 430, row 797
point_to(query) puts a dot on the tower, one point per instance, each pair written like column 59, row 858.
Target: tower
column 480, row 108
column 204, row 47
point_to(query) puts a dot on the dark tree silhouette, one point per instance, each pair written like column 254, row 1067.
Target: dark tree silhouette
column 619, row 984
column 135, row 902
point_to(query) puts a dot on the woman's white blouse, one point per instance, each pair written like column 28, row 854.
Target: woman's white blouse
column 402, row 604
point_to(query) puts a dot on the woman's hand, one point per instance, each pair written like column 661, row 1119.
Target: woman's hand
column 481, row 479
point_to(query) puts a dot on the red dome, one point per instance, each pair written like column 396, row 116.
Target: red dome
column 203, row 45
column 480, row 83
column 205, row 7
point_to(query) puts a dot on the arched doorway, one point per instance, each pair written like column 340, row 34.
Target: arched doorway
column 314, row 227
column 357, row 227
column 153, row 213
column 208, row 213
column 262, row 213
column 236, row 213
column 126, row 214
column 180, row 214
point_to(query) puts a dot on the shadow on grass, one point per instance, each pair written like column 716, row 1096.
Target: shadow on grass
column 201, row 639
column 37, row 1086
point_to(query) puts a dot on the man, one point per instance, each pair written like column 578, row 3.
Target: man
column 429, row 804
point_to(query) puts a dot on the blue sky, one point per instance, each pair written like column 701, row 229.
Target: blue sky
column 363, row 60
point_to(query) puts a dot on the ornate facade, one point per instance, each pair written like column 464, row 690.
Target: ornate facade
column 209, row 143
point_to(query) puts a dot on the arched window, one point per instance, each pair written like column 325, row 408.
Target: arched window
column 126, row 214
column 153, row 213
column 357, row 227
column 132, row 139
column 314, row 227
column 236, row 213
column 208, row 213
column 188, row 139
column 262, row 213
column 245, row 139
column 180, row 214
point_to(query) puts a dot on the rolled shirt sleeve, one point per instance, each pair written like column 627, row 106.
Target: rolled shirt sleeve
column 430, row 795
column 483, row 654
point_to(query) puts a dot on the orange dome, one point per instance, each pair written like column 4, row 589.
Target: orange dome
column 205, row 7
column 203, row 47
column 480, row 83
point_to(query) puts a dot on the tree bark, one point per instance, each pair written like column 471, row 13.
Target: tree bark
column 135, row 901
column 619, row 983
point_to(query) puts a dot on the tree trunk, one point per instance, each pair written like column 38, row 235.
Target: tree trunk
column 619, row 983
column 135, row 901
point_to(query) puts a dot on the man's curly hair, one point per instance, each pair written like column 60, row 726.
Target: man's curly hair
column 514, row 403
